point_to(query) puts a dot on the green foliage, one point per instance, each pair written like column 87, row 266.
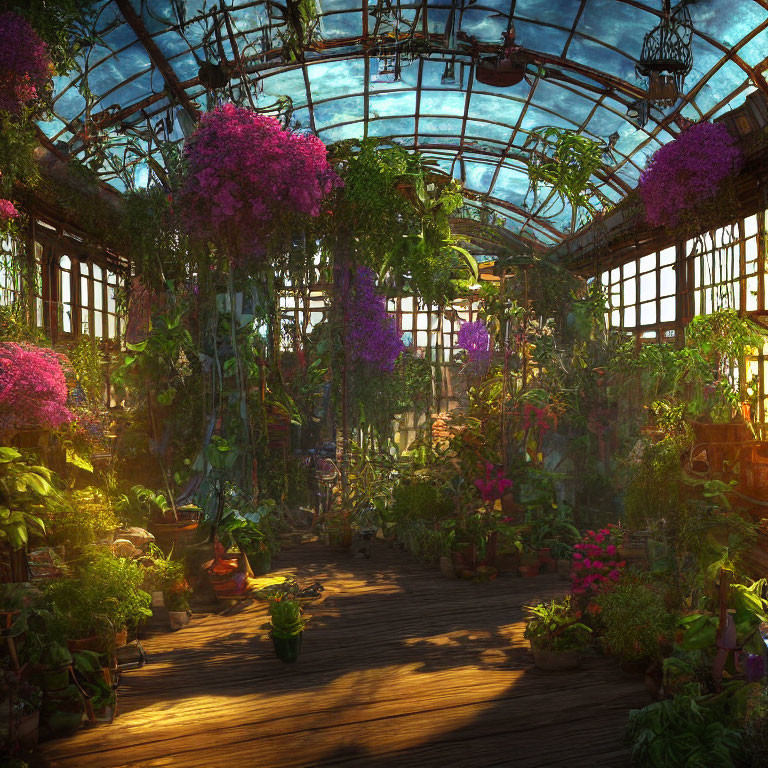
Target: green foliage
column 139, row 505
column 565, row 162
column 79, row 518
column 13, row 320
column 418, row 375
column 251, row 527
column 23, row 486
column 685, row 731
column 166, row 575
column 756, row 729
column 556, row 626
column 286, row 617
column 87, row 360
column 18, row 142
column 635, row 619
column 104, row 596
column 419, row 501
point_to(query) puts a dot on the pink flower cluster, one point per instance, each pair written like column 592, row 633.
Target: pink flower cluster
column 595, row 561
column 8, row 211
column 25, row 67
column 540, row 418
column 687, row 171
column 373, row 336
column 33, row 390
column 492, row 488
column 246, row 172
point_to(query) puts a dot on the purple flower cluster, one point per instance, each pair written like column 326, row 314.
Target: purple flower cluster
column 687, row 171
column 8, row 211
column 373, row 337
column 246, row 172
column 25, row 67
column 476, row 341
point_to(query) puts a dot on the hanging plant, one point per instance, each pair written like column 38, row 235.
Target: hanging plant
column 247, row 176
column 373, row 337
column 25, row 66
column 688, row 171
column 565, row 162
column 475, row 340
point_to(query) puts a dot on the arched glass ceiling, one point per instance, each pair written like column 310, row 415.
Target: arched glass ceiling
column 140, row 82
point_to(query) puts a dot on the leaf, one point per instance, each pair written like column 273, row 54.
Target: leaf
column 8, row 455
column 76, row 460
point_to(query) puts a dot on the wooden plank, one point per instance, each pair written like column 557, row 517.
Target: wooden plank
column 400, row 668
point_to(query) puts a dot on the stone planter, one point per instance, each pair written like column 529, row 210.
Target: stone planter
column 178, row 619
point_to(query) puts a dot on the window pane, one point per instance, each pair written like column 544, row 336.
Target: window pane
column 630, row 269
column 630, row 317
column 750, row 226
column 667, row 281
column 648, row 286
column 648, row 262
column 667, row 256
column 630, row 291
column 648, row 313
column 98, row 330
column 667, row 310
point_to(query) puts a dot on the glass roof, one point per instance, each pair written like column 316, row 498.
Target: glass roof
column 405, row 71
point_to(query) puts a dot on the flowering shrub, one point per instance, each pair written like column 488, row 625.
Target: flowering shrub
column 476, row 341
column 25, row 67
column 538, row 418
column 596, row 561
column 8, row 211
column 686, row 171
column 492, row 487
column 33, row 390
column 246, row 172
column 373, row 336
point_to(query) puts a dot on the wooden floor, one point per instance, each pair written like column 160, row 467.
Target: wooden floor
column 401, row 667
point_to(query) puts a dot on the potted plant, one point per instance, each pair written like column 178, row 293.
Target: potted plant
column 177, row 602
column 287, row 627
column 557, row 635
column 529, row 564
column 168, row 576
column 23, row 699
column 101, row 602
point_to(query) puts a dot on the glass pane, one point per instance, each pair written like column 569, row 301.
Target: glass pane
column 66, row 319
column 648, row 313
column 98, row 329
column 83, row 268
column 111, row 326
column 751, row 294
column 667, row 310
column 97, row 273
column 648, row 262
column 750, row 226
column 667, row 281
column 66, row 288
column 98, row 295
column 65, row 262
column 85, row 299
column 630, row 269
column 648, row 286
column 630, row 292
column 630, row 317
column 667, row 256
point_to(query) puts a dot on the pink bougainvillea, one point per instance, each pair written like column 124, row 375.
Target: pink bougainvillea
column 687, row 171
column 494, row 485
column 8, row 211
column 33, row 390
column 246, row 173
column 596, row 563
column 373, row 337
column 25, row 67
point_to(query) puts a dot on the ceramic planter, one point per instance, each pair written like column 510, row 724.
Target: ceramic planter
column 178, row 619
column 555, row 661
column 180, row 532
column 260, row 562
column 529, row 570
column 287, row 649
column 447, row 568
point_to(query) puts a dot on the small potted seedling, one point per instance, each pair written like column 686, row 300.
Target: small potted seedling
column 287, row 627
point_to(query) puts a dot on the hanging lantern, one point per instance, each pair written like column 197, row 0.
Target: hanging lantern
column 666, row 58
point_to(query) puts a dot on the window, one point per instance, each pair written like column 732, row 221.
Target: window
column 66, row 295
column 10, row 274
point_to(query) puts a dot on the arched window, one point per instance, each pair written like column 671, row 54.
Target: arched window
column 66, row 293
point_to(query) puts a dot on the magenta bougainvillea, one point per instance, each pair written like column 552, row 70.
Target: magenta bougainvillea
column 475, row 340
column 596, row 563
column 687, row 171
column 373, row 337
column 246, row 173
column 25, row 67
column 493, row 485
column 33, row 390
column 8, row 211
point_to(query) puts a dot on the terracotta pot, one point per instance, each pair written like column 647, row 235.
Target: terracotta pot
column 529, row 571
column 176, row 533
column 447, row 568
column 93, row 643
column 178, row 619
column 555, row 661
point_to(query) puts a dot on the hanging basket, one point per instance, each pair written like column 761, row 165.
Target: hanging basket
column 500, row 74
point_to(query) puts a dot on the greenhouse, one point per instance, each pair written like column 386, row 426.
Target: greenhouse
column 384, row 385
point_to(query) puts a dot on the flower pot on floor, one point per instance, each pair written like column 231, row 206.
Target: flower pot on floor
column 287, row 649
column 178, row 619
column 260, row 562
column 555, row 661
column 177, row 532
column 447, row 568
column 508, row 562
column 529, row 570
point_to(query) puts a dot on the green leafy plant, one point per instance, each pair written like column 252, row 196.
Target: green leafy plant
column 685, row 731
column 635, row 619
column 556, row 626
column 23, row 485
column 287, row 619
column 79, row 518
column 87, row 360
column 102, row 598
